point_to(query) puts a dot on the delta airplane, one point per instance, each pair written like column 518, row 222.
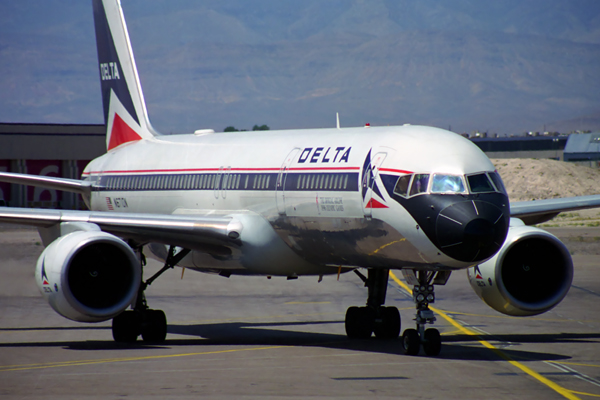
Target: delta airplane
column 291, row 203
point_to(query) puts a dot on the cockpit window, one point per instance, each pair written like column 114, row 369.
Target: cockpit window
column 419, row 184
column 447, row 184
column 402, row 185
column 480, row 183
column 498, row 182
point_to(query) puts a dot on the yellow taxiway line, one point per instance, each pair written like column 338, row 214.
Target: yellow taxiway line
column 557, row 388
column 6, row 368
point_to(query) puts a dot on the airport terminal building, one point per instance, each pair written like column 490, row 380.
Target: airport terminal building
column 47, row 149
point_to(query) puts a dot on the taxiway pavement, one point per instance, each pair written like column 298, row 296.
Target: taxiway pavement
column 254, row 338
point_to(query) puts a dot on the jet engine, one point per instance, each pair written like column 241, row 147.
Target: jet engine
column 530, row 274
column 88, row 276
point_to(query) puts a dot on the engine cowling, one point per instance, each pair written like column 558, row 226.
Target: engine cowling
column 530, row 274
column 88, row 276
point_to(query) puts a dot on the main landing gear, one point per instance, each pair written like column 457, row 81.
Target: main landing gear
column 151, row 324
column 362, row 322
column 423, row 295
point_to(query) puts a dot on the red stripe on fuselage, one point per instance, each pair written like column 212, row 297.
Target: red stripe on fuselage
column 398, row 171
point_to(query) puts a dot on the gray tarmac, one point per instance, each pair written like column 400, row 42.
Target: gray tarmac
column 254, row 338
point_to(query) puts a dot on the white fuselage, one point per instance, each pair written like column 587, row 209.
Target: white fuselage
column 303, row 193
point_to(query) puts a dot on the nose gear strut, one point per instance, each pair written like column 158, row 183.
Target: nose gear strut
column 423, row 295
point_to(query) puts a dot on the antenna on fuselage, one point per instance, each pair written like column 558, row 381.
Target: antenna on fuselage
column 337, row 120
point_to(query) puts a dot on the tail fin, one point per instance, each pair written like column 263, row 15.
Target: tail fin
column 125, row 111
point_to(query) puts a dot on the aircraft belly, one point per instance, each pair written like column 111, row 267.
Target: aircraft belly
column 262, row 253
column 359, row 242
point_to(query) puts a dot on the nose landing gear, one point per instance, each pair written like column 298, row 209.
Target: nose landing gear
column 423, row 295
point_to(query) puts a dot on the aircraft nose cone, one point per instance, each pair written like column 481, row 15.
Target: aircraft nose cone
column 471, row 230
column 479, row 232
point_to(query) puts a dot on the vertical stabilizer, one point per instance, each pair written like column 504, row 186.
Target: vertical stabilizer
column 125, row 111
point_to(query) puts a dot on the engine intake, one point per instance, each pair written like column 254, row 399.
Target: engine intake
column 530, row 274
column 88, row 276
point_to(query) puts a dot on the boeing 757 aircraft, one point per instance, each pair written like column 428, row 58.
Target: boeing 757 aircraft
column 286, row 203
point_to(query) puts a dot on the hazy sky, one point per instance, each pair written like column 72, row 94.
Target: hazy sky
column 209, row 64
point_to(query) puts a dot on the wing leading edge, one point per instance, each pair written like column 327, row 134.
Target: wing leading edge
column 538, row 211
column 203, row 233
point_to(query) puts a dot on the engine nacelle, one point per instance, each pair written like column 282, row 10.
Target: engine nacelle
column 530, row 274
column 88, row 276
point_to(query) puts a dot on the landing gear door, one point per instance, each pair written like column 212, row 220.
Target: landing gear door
column 369, row 182
column 281, row 178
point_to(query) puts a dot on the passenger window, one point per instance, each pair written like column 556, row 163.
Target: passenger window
column 225, row 181
column 447, row 184
column 267, row 181
column 345, row 181
column 480, row 183
column 419, row 184
column 335, row 183
column 402, row 185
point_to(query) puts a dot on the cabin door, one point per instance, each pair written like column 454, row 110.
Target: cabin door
column 281, row 179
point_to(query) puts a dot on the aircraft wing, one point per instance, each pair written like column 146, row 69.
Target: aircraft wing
column 204, row 233
column 538, row 211
column 49, row 182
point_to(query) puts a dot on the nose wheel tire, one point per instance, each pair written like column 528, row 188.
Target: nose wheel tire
column 432, row 342
column 411, row 343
